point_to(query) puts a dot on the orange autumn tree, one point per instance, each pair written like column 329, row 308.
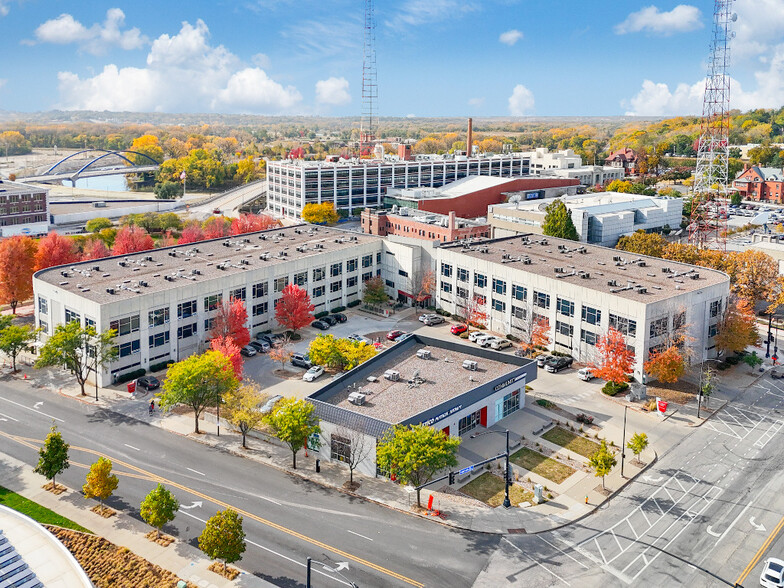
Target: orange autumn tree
column 227, row 347
column 737, row 329
column 615, row 360
column 248, row 223
column 536, row 333
column 54, row 249
column 473, row 312
column 667, row 366
column 17, row 262
column 95, row 249
column 231, row 321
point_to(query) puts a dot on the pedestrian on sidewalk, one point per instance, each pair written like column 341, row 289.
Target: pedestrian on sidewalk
column 152, row 407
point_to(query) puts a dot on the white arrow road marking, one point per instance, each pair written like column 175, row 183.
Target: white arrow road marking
column 38, row 405
column 652, row 480
column 195, row 471
column 342, row 565
column 190, row 506
column 358, row 535
column 32, row 409
column 714, row 533
column 758, row 527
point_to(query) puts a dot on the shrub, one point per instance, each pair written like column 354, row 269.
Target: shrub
column 354, row 303
column 127, row 377
column 611, row 388
column 513, row 338
column 156, row 367
column 443, row 312
column 464, row 335
column 339, row 309
column 722, row 366
column 732, row 360
column 321, row 314
column 545, row 403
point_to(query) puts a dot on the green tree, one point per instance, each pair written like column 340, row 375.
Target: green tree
column 223, row 537
column 293, row 422
column 53, row 456
column 101, row 482
column 602, row 462
column 16, row 339
column 736, row 198
column 752, row 360
column 95, row 225
column 243, row 407
column 637, row 444
column 78, row 349
column 643, row 243
column 415, row 454
column 158, row 508
column 198, row 381
column 708, row 383
column 558, row 221
column 167, row 190
column 374, row 291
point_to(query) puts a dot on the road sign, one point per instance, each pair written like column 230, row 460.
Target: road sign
column 465, row 470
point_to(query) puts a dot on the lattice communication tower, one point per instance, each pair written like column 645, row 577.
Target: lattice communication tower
column 709, row 192
column 367, row 127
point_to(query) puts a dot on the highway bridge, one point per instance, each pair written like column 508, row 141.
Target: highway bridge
column 107, row 170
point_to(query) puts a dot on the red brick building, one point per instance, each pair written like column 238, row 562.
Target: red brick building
column 625, row 158
column 421, row 225
column 760, row 183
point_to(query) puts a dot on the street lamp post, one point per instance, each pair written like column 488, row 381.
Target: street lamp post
column 623, row 443
column 507, row 482
column 767, row 342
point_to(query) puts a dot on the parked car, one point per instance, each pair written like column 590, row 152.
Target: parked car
column 475, row 335
column 498, row 343
column 423, row 317
column 248, row 351
column 433, row 320
column 260, row 346
column 482, row 338
column 777, row 374
column 556, row 364
column 270, row 404
column 542, row 359
column 329, row 319
column 458, row 329
column 772, row 575
column 313, row 373
column 585, row 374
column 320, row 325
column 339, row 317
column 216, row 211
column 301, row 360
column 148, row 382
column 486, row 341
column 394, row 335
column 359, row 339
column 271, row 339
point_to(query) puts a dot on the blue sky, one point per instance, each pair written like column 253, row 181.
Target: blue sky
column 435, row 57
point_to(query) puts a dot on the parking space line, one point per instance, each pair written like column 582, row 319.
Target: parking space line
column 537, row 562
column 577, row 561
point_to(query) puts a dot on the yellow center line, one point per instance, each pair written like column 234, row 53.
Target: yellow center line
column 144, row 474
column 760, row 552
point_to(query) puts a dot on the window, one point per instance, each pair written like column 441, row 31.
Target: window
column 318, row 291
column 713, row 330
column 186, row 309
column 159, row 339
column 519, row 312
column 260, row 290
column 565, row 307
column 129, row 348
column 715, row 308
column 158, row 317
column 319, row 273
column 237, row 294
column 403, row 273
column 367, row 260
column 72, row 316
column 446, row 270
column 378, row 258
column 187, row 331
column 44, row 326
column 43, row 305
column 469, row 422
column 592, row 316
column 351, row 282
column 625, row 326
column 541, row 299
column 564, row 328
column 366, row 276
column 480, row 280
column 301, row 279
column 88, row 322
column 519, row 292
column 389, row 283
column 480, row 300
column 462, row 274
column 212, row 302
column 587, row 337
column 511, row 403
column 351, row 265
column 336, row 269
column 340, row 448
column 679, row 320
column 281, row 283
column 499, row 286
column 208, row 324
column 499, row 305
column 462, row 293
column 259, row 309
column 446, row 287
column 658, row 327
column 123, row 326
column 336, row 286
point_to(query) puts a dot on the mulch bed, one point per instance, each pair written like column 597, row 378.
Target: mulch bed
column 103, row 511
column 681, row 392
column 229, row 573
column 287, row 375
column 55, row 489
column 160, row 539
column 602, row 491
column 553, row 407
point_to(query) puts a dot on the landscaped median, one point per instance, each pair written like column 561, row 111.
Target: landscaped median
column 541, row 465
column 490, row 489
column 37, row 512
column 571, row 441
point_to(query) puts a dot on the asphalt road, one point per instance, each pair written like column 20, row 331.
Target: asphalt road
column 701, row 516
column 286, row 518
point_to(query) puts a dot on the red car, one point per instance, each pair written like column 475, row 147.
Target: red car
column 457, row 329
column 393, row 335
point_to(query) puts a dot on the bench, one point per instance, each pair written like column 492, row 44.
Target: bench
column 543, row 428
column 517, row 443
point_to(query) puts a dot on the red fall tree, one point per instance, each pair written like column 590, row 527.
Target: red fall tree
column 294, row 309
column 227, row 347
column 131, row 239
column 192, row 233
column 615, row 360
column 216, row 227
column 17, row 263
column 54, row 249
column 231, row 321
column 95, row 249
column 248, row 223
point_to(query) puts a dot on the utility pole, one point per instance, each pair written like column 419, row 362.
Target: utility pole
column 767, row 342
column 623, row 443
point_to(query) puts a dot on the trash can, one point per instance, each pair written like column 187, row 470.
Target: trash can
column 131, row 387
column 318, row 466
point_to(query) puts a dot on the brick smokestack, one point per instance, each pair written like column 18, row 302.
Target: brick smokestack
column 470, row 138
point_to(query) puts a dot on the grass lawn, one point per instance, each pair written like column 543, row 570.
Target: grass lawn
column 570, row 441
column 489, row 488
column 542, row 465
column 36, row 512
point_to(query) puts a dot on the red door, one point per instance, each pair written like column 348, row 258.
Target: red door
column 445, row 431
column 483, row 416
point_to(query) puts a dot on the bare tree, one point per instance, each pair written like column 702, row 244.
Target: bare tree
column 471, row 309
column 422, row 283
column 534, row 328
column 351, row 444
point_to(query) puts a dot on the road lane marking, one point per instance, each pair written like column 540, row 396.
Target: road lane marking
column 763, row 548
column 358, row 535
column 146, row 475
column 132, row 447
column 299, row 563
column 195, row 471
column 578, row 562
column 8, row 417
column 536, row 562
column 32, row 409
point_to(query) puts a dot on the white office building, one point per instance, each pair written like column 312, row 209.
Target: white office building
column 567, row 164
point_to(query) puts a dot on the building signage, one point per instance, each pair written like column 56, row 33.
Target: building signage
column 508, row 382
column 443, row 415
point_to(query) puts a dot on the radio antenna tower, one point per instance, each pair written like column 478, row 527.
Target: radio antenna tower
column 709, row 192
column 367, row 127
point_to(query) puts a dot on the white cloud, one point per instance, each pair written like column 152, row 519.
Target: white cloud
column 510, row 37
column 521, row 102
column 758, row 28
column 345, row 37
column 3, row 8
column 184, row 73
column 477, row 102
column 650, row 19
column 261, row 60
column 3, row 82
column 333, row 91
column 65, row 29
column 419, row 12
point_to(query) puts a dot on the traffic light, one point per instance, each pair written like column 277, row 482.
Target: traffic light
column 451, row 478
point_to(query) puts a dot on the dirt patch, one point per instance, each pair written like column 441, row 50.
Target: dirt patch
column 351, row 486
column 287, row 375
column 103, row 511
column 55, row 489
column 680, row 392
column 229, row 573
column 160, row 539
column 553, row 407
column 603, row 491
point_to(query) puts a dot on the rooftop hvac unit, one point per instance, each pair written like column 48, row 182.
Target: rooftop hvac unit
column 143, row 283
column 356, row 398
column 526, row 261
column 470, row 364
column 99, row 204
column 424, row 354
column 585, row 275
column 110, row 290
column 695, row 276
column 642, row 290
column 642, row 263
column 392, row 375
